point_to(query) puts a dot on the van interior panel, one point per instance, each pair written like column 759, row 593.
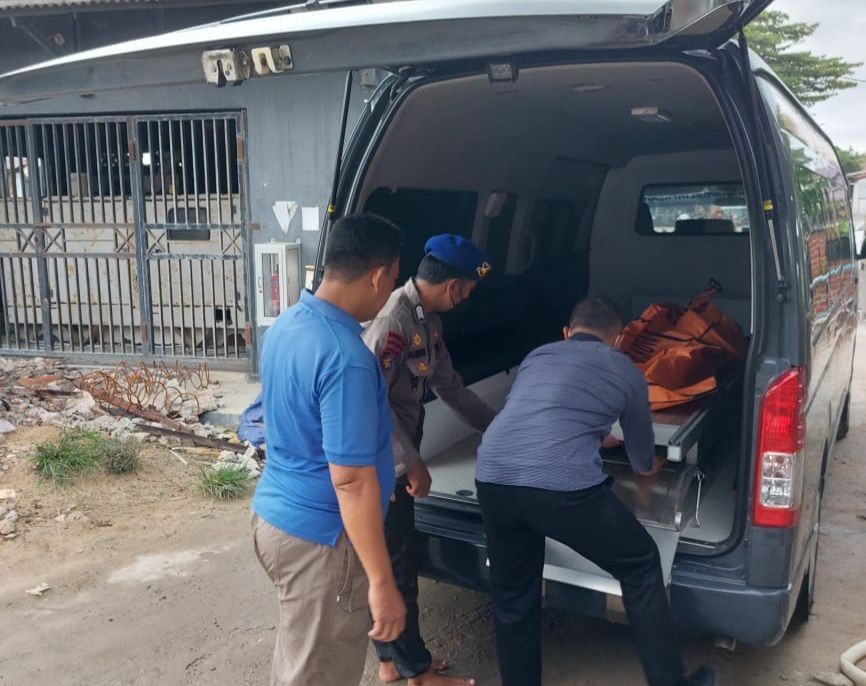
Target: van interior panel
column 550, row 173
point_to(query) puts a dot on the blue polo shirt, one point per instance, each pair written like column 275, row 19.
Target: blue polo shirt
column 325, row 402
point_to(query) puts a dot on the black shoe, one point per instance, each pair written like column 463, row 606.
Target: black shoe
column 703, row 677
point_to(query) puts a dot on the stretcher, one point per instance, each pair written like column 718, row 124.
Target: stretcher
column 678, row 431
column 665, row 503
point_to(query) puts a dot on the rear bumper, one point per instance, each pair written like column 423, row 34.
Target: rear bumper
column 700, row 603
column 754, row 616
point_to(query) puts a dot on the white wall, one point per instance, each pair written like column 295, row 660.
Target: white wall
column 624, row 264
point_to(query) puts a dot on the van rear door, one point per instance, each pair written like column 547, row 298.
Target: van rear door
column 388, row 35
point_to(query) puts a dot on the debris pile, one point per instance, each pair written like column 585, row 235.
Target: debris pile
column 122, row 400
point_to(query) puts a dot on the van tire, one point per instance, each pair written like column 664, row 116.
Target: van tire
column 805, row 601
column 844, row 421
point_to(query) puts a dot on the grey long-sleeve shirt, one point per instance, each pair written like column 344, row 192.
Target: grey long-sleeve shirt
column 565, row 399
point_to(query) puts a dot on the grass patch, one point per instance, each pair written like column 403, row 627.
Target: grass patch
column 224, row 484
column 80, row 452
column 73, row 454
column 119, row 456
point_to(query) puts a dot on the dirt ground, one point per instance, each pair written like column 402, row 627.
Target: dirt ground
column 152, row 583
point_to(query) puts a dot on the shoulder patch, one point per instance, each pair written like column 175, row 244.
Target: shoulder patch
column 395, row 344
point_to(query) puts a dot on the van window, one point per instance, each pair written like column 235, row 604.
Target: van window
column 822, row 203
column 693, row 209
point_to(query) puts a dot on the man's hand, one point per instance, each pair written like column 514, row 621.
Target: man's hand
column 388, row 611
column 359, row 497
column 419, row 480
column 659, row 461
column 611, row 441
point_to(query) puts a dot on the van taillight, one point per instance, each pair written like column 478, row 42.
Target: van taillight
column 779, row 464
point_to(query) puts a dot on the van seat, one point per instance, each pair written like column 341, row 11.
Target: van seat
column 738, row 309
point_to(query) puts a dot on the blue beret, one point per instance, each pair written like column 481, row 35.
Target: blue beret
column 459, row 253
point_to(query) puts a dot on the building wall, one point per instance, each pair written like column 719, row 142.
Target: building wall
column 293, row 121
column 293, row 127
column 30, row 38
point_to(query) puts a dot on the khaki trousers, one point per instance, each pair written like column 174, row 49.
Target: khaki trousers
column 324, row 614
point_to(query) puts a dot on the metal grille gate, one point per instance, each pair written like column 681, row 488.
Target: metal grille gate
column 125, row 235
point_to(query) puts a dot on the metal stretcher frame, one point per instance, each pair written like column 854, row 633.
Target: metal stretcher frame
column 679, row 429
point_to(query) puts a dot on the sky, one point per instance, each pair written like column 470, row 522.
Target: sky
column 842, row 33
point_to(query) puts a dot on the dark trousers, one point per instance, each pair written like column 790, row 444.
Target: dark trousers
column 597, row 525
column 408, row 652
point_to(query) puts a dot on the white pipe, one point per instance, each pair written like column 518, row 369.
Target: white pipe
column 848, row 663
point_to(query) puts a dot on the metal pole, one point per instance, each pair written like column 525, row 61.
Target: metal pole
column 41, row 266
column 143, row 268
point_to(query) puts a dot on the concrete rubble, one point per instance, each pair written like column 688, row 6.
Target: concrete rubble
column 8, row 513
column 231, row 460
column 123, row 401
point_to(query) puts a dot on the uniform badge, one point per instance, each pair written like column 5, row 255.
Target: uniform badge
column 417, row 341
column 395, row 344
column 423, row 368
column 419, row 314
column 386, row 361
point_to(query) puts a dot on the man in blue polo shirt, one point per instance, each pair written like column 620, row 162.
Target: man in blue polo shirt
column 320, row 503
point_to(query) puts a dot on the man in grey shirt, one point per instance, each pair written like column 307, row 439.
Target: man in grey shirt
column 540, row 475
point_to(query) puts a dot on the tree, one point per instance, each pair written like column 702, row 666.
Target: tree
column 852, row 161
column 812, row 78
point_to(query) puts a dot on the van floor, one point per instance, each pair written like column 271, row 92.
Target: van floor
column 454, row 477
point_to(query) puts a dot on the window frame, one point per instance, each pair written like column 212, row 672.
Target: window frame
column 674, row 234
column 770, row 88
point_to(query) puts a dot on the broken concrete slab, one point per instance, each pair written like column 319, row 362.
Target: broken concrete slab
column 82, row 405
column 8, row 523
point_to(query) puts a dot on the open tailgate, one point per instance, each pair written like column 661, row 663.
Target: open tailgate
column 389, row 35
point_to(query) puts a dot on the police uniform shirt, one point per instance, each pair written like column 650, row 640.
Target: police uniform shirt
column 411, row 351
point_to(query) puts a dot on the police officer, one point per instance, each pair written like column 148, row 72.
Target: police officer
column 406, row 337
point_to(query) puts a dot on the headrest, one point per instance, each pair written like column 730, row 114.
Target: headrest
column 644, row 223
column 700, row 227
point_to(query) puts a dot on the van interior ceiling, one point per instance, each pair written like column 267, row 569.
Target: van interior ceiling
column 607, row 179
